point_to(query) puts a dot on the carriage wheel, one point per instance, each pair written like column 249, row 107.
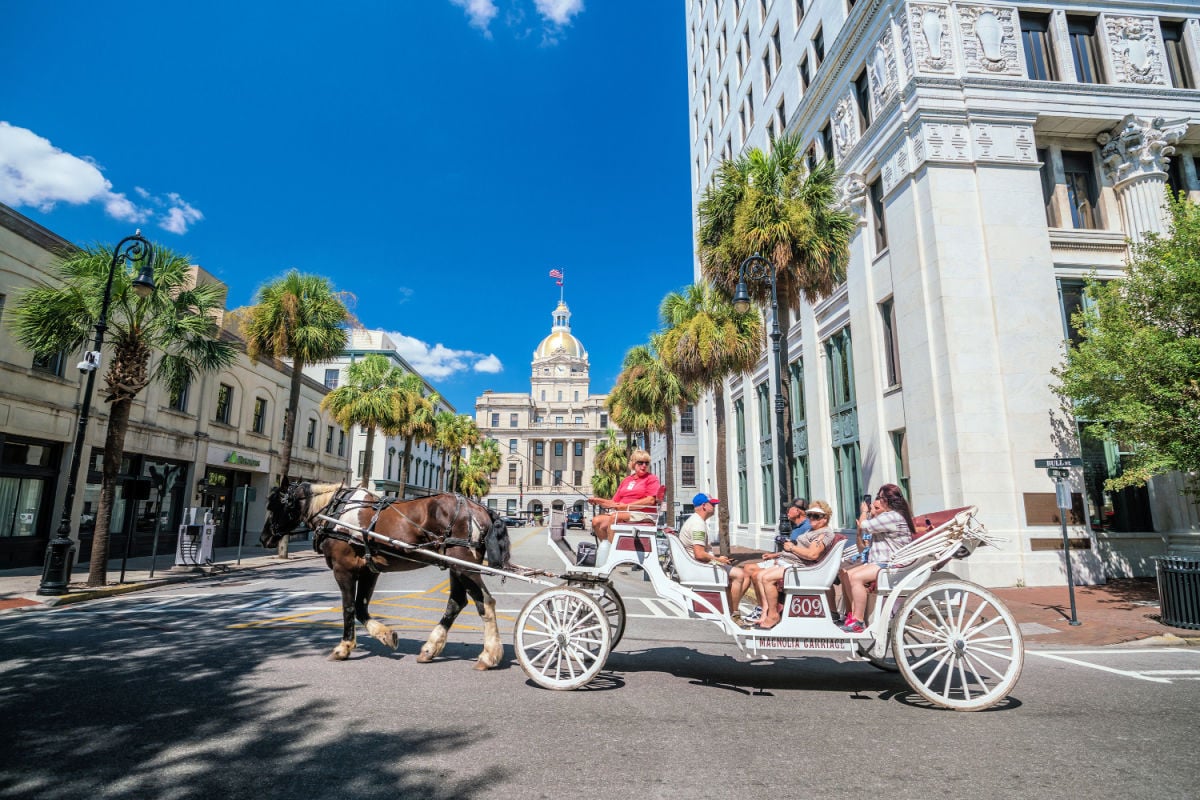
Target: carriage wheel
column 563, row 638
column 610, row 603
column 957, row 645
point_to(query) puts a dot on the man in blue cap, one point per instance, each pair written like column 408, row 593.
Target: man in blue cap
column 694, row 534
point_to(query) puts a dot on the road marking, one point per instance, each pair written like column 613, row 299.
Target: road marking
column 1153, row 676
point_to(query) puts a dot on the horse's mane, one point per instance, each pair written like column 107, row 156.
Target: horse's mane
column 322, row 494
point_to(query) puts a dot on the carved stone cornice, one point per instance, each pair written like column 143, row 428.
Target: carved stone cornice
column 1136, row 50
column 1138, row 146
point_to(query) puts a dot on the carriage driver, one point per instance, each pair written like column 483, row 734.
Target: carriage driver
column 694, row 534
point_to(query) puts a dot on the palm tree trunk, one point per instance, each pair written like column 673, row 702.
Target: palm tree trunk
column 722, row 472
column 289, row 438
column 408, row 440
column 368, row 458
column 114, row 446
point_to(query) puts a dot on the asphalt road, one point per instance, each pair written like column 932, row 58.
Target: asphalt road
column 220, row 689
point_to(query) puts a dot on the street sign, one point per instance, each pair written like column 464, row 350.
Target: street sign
column 1058, row 472
column 1045, row 463
column 1062, row 491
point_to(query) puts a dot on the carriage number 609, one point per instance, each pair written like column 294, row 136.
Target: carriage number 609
column 806, row 606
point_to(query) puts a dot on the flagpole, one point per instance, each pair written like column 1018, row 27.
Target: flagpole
column 560, row 288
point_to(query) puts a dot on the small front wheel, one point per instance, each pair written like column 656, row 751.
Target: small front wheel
column 563, row 637
column 958, row 646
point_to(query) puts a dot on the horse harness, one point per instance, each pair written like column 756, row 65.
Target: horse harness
column 342, row 503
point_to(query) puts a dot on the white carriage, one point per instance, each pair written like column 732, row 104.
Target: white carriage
column 955, row 642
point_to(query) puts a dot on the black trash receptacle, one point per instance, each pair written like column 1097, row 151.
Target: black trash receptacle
column 1179, row 591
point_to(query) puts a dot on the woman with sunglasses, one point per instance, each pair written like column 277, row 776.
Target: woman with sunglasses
column 889, row 522
column 809, row 547
column 636, row 500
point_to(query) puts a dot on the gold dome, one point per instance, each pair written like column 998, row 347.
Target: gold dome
column 559, row 342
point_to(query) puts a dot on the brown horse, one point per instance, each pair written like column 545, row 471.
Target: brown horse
column 448, row 524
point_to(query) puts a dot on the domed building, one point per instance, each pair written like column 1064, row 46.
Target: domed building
column 547, row 437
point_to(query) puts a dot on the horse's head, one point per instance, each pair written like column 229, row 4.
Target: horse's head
column 287, row 506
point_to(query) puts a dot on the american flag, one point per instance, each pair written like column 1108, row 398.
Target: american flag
column 555, row 273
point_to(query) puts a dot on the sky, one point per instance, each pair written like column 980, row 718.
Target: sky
column 433, row 158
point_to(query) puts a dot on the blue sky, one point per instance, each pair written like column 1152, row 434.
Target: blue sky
column 436, row 158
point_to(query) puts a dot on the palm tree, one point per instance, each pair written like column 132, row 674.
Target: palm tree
column 611, row 465
column 484, row 461
column 177, row 320
column 370, row 397
column 417, row 413
column 647, row 395
column 453, row 433
column 705, row 342
column 771, row 204
column 302, row 318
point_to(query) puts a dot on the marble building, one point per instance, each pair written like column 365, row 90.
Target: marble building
column 996, row 155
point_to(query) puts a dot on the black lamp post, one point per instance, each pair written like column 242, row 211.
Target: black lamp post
column 56, row 574
column 756, row 268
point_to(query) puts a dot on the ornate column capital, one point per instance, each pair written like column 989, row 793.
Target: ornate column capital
column 1138, row 146
column 852, row 196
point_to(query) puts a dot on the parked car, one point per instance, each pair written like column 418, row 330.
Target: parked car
column 513, row 522
column 575, row 520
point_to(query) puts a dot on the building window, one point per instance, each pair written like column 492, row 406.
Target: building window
column 1176, row 56
column 537, row 477
column 776, row 51
column 512, row 419
column 687, row 470
column 1048, row 184
column 341, row 443
column 799, row 12
column 260, row 414
column 329, row 439
column 818, row 43
column 578, row 420
column 578, row 477
column 687, row 419
column 1084, row 49
column 331, row 378
column 224, row 403
column 891, row 348
column 558, row 449
column 1082, row 191
column 558, row 477
column 512, row 445
column 862, row 95
column 800, row 473
column 310, row 440
column 578, row 449
column 739, row 430
column 1039, row 55
column 539, row 448
column 781, row 115
column 495, row 420
column 178, row 401
column 362, row 462
column 827, row 141
column 603, row 421
column 51, row 364
column 512, row 474
column 877, row 217
column 768, row 492
column 805, row 76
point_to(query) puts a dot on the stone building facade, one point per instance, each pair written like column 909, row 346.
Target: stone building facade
column 547, row 437
column 197, row 450
column 996, row 154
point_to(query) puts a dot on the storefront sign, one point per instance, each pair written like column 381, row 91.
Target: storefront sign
column 246, row 460
column 235, row 458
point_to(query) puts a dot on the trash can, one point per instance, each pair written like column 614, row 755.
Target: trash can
column 1179, row 591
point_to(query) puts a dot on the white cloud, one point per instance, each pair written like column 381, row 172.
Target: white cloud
column 439, row 361
column 558, row 12
column 479, row 12
column 33, row 172
column 490, row 365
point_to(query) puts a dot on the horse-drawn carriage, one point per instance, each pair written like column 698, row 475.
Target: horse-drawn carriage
column 955, row 642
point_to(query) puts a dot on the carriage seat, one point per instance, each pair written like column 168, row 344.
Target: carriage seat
column 691, row 572
column 819, row 575
column 935, row 519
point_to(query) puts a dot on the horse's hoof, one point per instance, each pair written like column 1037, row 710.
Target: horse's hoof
column 393, row 640
column 483, row 666
column 424, row 658
column 340, row 654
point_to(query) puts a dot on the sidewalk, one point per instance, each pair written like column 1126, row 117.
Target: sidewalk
column 18, row 587
column 1121, row 612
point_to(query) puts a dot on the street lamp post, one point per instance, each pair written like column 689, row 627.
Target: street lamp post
column 756, row 268
column 56, row 574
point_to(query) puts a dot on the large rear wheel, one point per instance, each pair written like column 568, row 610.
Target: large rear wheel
column 957, row 645
column 563, row 637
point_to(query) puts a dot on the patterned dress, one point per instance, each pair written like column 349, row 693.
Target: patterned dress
column 889, row 532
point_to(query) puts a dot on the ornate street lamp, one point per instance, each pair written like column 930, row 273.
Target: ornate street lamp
column 756, row 268
column 56, row 574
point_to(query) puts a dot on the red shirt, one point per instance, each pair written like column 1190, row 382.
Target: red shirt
column 635, row 488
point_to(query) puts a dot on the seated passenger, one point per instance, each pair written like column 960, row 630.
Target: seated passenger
column 800, row 526
column 889, row 523
column 807, row 549
column 694, row 535
column 636, row 500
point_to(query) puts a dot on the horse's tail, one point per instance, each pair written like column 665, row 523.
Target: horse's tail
column 495, row 541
